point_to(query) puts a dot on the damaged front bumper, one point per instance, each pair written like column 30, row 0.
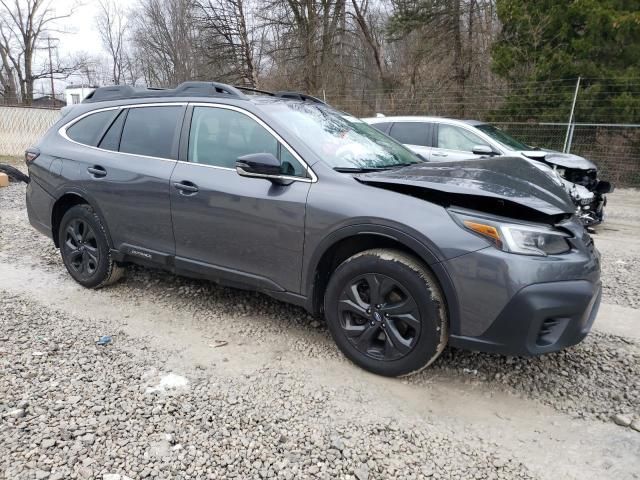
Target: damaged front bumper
column 540, row 318
column 525, row 305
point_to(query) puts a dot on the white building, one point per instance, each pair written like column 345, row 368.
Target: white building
column 76, row 93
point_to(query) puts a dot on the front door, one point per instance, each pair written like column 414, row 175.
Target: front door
column 248, row 230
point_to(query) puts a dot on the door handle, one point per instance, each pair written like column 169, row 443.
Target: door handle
column 439, row 154
column 97, row 171
column 186, row 188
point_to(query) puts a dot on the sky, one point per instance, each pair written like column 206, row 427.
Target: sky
column 78, row 33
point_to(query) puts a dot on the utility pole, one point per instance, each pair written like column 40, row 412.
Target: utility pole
column 53, row 88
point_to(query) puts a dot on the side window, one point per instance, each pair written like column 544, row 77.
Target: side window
column 150, row 131
column 382, row 126
column 111, row 139
column 89, row 129
column 456, row 138
column 412, row 133
column 219, row 136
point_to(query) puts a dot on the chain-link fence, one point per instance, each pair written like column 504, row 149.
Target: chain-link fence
column 21, row 127
column 614, row 147
column 604, row 127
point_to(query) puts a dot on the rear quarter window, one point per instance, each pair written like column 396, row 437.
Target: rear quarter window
column 89, row 130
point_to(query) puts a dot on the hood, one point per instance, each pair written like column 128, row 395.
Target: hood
column 509, row 179
column 564, row 160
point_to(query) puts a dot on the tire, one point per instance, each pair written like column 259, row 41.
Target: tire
column 397, row 331
column 14, row 174
column 85, row 249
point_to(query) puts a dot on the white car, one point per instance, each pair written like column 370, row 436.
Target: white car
column 439, row 139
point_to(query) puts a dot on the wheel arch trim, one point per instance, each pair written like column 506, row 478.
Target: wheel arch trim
column 88, row 199
column 418, row 248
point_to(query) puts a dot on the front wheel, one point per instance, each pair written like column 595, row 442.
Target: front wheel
column 385, row 311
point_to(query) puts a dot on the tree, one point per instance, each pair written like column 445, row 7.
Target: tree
column 113, row 26
column 166, row 42
column 549, row 40
column 307, row 35
column 23, row 23
column 448, row 33
column 228, row 41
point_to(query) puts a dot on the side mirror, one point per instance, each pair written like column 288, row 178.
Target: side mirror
column 262, row 165
column 483, row 150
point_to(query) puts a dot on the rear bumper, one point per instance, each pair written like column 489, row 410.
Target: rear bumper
column 540, row 318
column 39, row 207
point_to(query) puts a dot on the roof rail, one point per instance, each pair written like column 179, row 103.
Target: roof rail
column 283, row 94
column 299, row 96
column 254, row 90
column 185, row 89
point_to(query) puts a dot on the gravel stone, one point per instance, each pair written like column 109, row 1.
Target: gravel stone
column 622, row 420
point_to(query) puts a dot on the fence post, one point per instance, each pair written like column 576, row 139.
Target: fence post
column 569, row 137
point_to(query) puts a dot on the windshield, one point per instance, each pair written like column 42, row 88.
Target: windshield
column 343, row 141
column 502, row 137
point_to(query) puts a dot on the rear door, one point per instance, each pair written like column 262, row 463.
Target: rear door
column 244, row 230
column 126, row 173
column 453, row 142
column 415, row 135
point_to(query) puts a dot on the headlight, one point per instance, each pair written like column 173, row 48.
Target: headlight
column 517, row 238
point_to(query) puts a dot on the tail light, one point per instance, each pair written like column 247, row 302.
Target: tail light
column 30, row 155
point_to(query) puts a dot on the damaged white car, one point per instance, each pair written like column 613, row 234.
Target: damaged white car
column 442, row 139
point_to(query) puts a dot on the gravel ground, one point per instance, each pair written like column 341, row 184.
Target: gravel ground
column 80, row 411
column 72, row 409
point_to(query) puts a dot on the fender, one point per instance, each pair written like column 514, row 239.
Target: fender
column 72, row 190
column 424, row 252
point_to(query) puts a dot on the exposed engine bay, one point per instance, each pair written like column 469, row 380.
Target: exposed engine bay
column 580, row 179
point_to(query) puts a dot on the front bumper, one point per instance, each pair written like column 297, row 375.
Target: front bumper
column 540, row 318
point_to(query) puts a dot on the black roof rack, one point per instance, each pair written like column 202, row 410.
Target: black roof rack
column 185, row 89
column 254, row 90
column 188, row 89
column 283, row 94
column 298, row 96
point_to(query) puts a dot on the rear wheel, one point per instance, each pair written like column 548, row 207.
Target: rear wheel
column 85, row 249
column 385, row 311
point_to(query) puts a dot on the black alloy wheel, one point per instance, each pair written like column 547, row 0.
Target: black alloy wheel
column 81, row 247
column 386, row 312
column 379, row 316
column 85, row 250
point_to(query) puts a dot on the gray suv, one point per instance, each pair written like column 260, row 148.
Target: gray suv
column 277, row 192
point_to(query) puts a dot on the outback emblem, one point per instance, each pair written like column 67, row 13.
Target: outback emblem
column 138, row 253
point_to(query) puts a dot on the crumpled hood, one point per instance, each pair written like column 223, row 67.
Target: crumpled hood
column 564, row 160
column 511, row 179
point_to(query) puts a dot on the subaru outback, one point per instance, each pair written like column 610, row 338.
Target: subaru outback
column 280, row 193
